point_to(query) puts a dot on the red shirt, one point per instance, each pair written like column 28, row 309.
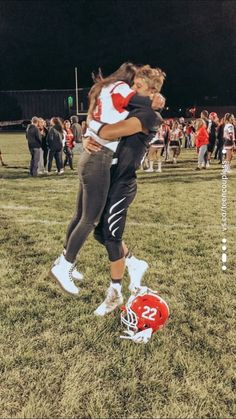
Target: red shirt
column 202, row 136
column 69, row 138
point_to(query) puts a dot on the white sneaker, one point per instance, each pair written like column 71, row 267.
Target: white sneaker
column 77, row 276
column 207, row 164
column 136, row 269
column 61, row 172
column 149, row 170
column 113, row 300
column 62, row 273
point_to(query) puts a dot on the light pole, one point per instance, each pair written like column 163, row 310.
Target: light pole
column 76, row 92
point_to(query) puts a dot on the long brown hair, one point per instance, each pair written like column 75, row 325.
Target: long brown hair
column 126, row 72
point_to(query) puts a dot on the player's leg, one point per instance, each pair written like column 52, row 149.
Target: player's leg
column 94, row 185
column 109, row 233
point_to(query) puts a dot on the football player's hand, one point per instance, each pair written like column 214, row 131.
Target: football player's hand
column 90, row 145
column 158, row 101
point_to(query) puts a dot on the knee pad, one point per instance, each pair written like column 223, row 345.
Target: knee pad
column 115, row 250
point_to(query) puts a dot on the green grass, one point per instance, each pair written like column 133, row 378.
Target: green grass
column 57, row 359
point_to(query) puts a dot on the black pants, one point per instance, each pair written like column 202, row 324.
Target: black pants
column 45, row 157
column 35, row 156
column 111, row 227
column 94, row 176
column 58, row 158
column 69, row 157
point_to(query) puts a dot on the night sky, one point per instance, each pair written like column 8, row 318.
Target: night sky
column 194, row 42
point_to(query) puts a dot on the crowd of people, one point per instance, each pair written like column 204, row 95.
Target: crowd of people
column 123, row 124
column 210, row 136
column 50, row 140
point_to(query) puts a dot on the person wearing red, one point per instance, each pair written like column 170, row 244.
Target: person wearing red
column 201, row 141
column 69, row 144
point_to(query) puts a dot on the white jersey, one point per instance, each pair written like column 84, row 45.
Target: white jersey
column 111, row 104
column 229, row 133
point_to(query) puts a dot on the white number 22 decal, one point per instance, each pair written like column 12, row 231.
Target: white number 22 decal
column 149, row 313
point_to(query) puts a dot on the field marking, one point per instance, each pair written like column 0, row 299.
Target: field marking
column 17, row 207
column 131, row 223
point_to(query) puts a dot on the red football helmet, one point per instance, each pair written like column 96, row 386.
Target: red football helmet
column 145, row 310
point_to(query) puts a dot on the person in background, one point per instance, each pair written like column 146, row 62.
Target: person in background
column 229, row 139
column 54, row 140
column 69, row 144
column 205, row 117
column 42, row 167
column 165, row 150
column 201, row 139
column 34, row 143
column 175, row 140
column 211, row 129
column 156, row 147
column 220, row 141
column 77, row 133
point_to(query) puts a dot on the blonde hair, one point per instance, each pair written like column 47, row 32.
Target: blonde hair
column 199, row 123
column 154, row 77
column 229, row 118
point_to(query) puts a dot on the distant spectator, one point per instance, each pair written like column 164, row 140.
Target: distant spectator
column 176, row 135
column 77, row 132
column 69, row 144
column 189, row 131
column 201, row 142
column 164, row 151
column 54, row 140
column 34, row 143
column 205, row 117
column 42, row 167
column 229, row 139
column 156, row 147
column 220, row 141
column 44, row 132
column 212, row 126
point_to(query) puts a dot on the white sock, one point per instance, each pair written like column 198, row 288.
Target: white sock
column 117, row 286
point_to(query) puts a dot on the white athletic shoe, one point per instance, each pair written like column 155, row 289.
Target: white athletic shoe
column 136, row 269
column 77, row 276
column 62, row 273
column 149, row 170
column 207, row 164
column 113, row 300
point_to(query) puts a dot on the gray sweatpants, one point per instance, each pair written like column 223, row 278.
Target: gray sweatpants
column 94, row 176
column 201, row 154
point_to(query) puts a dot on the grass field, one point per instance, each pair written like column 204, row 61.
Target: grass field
column 57, row 359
